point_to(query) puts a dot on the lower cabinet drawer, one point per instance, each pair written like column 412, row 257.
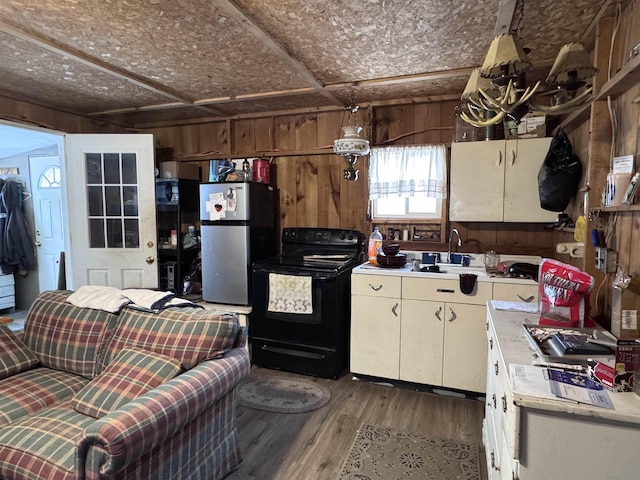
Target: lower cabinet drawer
column 444, row 290
column 376, row 285
column 515, row 292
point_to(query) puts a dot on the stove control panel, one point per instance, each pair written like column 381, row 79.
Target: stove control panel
column 320, row 236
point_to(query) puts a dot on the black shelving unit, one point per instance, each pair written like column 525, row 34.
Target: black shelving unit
column 175, row 211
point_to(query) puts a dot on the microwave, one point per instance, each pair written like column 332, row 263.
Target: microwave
column 167, row 191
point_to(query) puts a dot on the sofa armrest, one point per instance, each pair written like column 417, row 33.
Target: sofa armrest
column 126, row 434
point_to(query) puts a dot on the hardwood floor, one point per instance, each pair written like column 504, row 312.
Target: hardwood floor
column 313, row 445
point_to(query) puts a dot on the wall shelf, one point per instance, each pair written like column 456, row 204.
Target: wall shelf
column 620, row 208
column 627, row 77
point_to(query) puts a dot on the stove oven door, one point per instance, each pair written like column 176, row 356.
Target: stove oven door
column 314, row 343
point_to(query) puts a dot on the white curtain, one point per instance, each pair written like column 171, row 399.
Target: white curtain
column 408, row 171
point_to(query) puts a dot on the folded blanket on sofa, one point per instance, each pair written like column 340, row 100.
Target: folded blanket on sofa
column 113, row 299
column 99, row 297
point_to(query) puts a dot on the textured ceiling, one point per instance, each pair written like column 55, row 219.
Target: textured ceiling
column 145, row 62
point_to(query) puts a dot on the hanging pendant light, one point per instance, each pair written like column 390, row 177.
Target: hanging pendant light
column 351, row 146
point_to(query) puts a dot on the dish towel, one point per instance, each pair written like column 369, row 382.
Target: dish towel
column 290, row 294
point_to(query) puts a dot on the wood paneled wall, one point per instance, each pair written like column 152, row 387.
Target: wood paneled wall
column 311, row 186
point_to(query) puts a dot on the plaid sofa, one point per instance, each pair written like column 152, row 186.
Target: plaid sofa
column 89, row 394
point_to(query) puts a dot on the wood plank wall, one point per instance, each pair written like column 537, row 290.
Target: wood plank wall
column 592, row 141
column 311, row 187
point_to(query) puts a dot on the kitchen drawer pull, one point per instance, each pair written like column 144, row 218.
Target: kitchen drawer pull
column 496, row 368
column 499, row 158
column 527, row 300
column 445, row 290
column 513, row 157
column 375, row 288
column 393, row 309
column 491, row 343
column 495, row 402
column 453, row 315
column 438, row 313
column 504, row 403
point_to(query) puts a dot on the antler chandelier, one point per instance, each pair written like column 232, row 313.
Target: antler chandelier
column 498, row 90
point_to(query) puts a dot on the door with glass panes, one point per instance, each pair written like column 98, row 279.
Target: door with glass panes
column 110, row 196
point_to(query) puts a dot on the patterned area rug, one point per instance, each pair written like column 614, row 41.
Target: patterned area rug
column 282, row 395
column 381, row 453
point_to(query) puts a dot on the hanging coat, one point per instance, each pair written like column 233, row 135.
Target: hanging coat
column 16, row 247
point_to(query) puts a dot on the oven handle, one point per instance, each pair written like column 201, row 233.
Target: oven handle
column 322, row 277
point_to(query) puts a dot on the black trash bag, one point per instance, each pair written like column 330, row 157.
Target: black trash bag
column 559, row 175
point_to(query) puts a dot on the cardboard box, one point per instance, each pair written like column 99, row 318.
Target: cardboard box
column 619, row 374
column 625, row 311
column 175, row 169
column 530, row 126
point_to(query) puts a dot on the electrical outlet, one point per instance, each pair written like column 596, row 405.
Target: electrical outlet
column 606, row 260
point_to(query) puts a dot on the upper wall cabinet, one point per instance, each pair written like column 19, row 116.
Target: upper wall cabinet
column 497, row 181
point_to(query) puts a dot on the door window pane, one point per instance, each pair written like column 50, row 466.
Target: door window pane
column 112, row 198
column 114, row 233
column 131, row 233
column 129, row 168
column 96, row 233
column 113, row 201
column 112, row 168
column 95, row 200
column 94, row 168
column 130, row 197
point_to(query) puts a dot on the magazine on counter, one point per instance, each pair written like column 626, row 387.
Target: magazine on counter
column 578, row 388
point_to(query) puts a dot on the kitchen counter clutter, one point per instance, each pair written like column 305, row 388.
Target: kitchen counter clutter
column 531, row 436
column 421, row 327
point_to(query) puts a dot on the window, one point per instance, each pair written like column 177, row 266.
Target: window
column 408, row 207
column 408, row 182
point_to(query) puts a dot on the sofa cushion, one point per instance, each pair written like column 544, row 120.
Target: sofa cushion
column 132, row 373
column 34, row 390
column 42, row 446
column 66, row 337
column 15, row 357
column 190, row 335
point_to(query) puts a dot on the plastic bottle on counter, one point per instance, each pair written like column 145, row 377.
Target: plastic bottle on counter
column 375, row 245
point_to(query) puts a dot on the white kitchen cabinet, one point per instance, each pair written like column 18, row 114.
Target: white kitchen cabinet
column 375, row 325
column 497, row 181
column 529, row 437
column 442, row 338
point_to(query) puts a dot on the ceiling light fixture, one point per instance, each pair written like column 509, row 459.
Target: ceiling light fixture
column 498, row 90
column 350, row 146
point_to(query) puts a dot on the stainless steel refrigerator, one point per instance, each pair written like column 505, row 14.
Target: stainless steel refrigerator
column 238, row 227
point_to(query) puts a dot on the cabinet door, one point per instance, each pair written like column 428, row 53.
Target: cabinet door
column 465, row 347
column 521, row 199
column 375, row 336
column 477, row 181
column 421, row 340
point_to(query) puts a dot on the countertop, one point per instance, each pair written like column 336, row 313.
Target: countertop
column 451, row 272
column 517, row 349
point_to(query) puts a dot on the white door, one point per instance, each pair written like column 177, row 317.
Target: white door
column 46, row 183
column 110, row 196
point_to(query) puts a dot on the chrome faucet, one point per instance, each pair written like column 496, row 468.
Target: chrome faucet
column 453, row 230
